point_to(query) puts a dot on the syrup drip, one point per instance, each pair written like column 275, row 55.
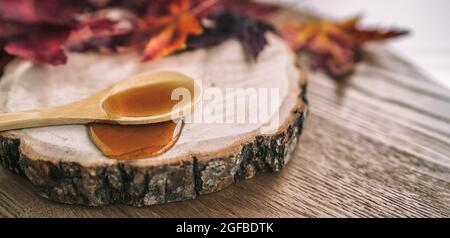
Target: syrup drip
column 135, row 142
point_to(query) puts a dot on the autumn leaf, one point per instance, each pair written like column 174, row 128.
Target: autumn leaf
column 100, row 33
column 365, row 35
column 43, row 30
column 183, row 24
column 250, row 31
column 55, row 12
column 246, row 7
column 36, row 30
column 4, row 58
column 334, row 46
column 175, row 28
column 11, row 29
column 43, row 46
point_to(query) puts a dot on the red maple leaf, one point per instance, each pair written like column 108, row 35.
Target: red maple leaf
column 41, row 45
column 55, row 12
column 333, row 46
column 174, row 28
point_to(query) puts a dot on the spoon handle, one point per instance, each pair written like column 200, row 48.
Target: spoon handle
column 37, row 118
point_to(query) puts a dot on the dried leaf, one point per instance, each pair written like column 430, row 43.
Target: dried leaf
column 245, row 7
column 4, row 59
column 333, row 46
column 55, row 12
column 36, row 30
column 365, row 35
column 39, row 30
column 11, row 29
column 174, row 29
column 100, row 33
column 225, row 25
column 138, row 6
column 40, row 45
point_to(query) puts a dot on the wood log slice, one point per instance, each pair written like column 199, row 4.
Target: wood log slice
column 65, row 166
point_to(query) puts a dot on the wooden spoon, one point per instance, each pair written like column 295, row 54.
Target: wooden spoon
column 118, row 104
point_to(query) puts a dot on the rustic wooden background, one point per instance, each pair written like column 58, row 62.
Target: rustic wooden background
column 377, row 145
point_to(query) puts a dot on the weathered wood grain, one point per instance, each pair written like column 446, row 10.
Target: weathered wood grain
column 378, row 146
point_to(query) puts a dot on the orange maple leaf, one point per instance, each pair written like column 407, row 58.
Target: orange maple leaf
column 174, row 30
column 333, row 46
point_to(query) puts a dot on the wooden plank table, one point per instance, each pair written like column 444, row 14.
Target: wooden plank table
column 375, row 146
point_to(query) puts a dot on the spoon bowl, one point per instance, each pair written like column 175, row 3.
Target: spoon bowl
column 141, row 99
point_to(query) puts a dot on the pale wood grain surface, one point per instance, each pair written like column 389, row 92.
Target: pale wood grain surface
column 376, row 146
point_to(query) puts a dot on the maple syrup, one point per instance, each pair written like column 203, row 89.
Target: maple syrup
column 139, row 141
column 145, row 101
